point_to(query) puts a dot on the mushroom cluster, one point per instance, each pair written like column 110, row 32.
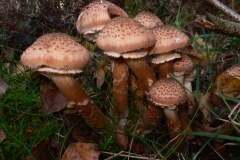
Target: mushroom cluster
column 129, row 43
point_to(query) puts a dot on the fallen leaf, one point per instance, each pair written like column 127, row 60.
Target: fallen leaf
column 2, row 135
column 46, row 150
column 100, row 73
column 204, row 49
column 79, row 130
column 81, row 151
column 52, row 98
column 227, row 85
column 7, row 54
column 4, row 87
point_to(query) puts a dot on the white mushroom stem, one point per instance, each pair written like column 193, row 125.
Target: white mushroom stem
column 120, row 90
column 146, row 79
column 83, row 103
column 190, row 101
column 173, row 121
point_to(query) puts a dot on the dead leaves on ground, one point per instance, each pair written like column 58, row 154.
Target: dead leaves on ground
column 46, row 150
column 52, row 98
column 81, row 151
column 2, row 135
column 4, row 87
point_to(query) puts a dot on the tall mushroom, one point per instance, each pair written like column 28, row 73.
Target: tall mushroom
column 128, row 38
column 95, row 16
column 60, row 57
column 167, row 93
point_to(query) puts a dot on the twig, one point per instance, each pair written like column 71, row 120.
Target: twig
column 225, row 9
column 124, row 154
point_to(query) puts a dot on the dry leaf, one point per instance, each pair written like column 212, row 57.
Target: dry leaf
column 79, row 129
column 81, row 151
column 227, row 84
column 52, row 98
column 46, row 150
column 4, row 87
column 7, row 54
column 207, row 55
column 2, row 135
column 100, row 73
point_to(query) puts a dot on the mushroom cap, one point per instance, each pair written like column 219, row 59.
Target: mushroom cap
column 234, row 71
column 57, row 53
column 96, row 15
column 162, row 58
column 148, row 19
column 168, row 38
column 166, row 92
column 123, row 34
column 182, row 65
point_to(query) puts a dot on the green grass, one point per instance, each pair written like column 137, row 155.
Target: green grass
column 20, row 110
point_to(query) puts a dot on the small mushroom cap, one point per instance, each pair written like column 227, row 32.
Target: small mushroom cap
column 234, row 71
column 183, row 65
column 168, row 38
column 148, row 19
column 58, row 52
column 166, row 92
column 123, row 34
column 96, row 15
column 162, row 58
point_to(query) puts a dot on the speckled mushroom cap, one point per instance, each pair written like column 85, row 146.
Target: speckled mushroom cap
column 182, row 65
column 234, row 71
column 148, row 19
column 168, row 38
column 122, row 35
column 96, row 15
column 57, row 53
column 166, row 92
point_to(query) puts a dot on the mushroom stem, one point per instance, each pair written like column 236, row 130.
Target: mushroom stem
column 83, row 103
column 146, row 79
column 143, row 72
column 120, row 89
column 165, row 69
column 173, row 121
column 190, row 101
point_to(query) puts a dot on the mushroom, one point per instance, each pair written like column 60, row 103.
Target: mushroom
column 148, row 19
column 127, row 38
column 181, row 66
column 167, row 93
column 59, row 56
column 95, row 16
column 190, row 102
column 168, row 38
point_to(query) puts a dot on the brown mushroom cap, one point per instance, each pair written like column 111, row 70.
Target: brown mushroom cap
column 182, row 65
column 166, row 92
column 96, row 15
column 148, row 19
column 57, row 53
column 123, row 34
column 234, row 71
column 168, row 38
